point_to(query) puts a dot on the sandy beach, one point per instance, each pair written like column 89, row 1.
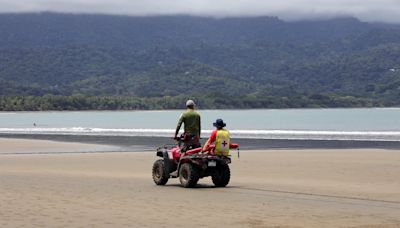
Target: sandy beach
column 274, row 188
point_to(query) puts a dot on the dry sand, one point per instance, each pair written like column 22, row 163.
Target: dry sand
column 280, row 188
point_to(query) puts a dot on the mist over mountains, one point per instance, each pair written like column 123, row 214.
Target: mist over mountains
column 263, row 60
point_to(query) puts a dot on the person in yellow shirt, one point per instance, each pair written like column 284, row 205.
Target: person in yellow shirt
column 221, row 137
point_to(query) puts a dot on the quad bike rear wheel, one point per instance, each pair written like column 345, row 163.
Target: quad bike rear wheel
column 188, row 175
column 221, row 176
column 160, row 175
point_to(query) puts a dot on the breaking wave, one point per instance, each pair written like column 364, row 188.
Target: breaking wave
column 248, row 134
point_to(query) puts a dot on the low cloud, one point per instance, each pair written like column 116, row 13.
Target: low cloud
column 365, row 10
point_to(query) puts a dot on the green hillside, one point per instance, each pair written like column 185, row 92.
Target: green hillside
column 61, row 61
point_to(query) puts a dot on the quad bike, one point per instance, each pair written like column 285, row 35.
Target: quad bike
column 191, row 165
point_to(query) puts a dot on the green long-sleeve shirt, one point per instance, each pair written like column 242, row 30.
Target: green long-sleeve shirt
column 191, row 121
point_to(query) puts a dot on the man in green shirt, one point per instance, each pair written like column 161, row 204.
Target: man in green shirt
column 191, row 120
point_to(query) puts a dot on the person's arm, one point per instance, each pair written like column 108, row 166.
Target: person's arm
column 210, row 140
column 178, row 127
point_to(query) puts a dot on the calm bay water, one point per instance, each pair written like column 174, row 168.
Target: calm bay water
column 329, row 124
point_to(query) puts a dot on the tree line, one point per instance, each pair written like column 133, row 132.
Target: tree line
column 210, row 101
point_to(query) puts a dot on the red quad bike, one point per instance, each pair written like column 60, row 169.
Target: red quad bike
column 191, row 165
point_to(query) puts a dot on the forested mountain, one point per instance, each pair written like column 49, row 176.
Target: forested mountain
column 47, row 29
column 67, row 61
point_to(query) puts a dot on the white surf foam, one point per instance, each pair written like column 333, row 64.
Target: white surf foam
column 251, row 134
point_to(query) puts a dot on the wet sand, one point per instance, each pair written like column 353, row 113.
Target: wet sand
column 145, row 143
column 274, row 188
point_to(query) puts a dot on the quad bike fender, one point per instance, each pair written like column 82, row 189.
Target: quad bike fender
column 167, row 161
column 172, row 154
column 161, row 151
column 225, row 160
column 168, row 166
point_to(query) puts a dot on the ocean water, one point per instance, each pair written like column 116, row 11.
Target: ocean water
column 368, row 124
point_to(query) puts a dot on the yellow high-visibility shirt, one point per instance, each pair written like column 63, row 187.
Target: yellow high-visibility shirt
column 222, row 142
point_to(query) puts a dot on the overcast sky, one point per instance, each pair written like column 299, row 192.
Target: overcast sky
column 365, row 10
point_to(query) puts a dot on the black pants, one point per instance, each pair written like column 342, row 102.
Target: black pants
column 190, row 143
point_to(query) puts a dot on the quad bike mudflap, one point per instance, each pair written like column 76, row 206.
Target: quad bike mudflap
column 192, row 165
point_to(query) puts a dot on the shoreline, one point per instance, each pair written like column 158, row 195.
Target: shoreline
column 145, row 143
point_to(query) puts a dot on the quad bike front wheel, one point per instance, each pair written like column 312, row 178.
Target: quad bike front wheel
column 160, row 175
column 188, row 175
column 221, row 176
